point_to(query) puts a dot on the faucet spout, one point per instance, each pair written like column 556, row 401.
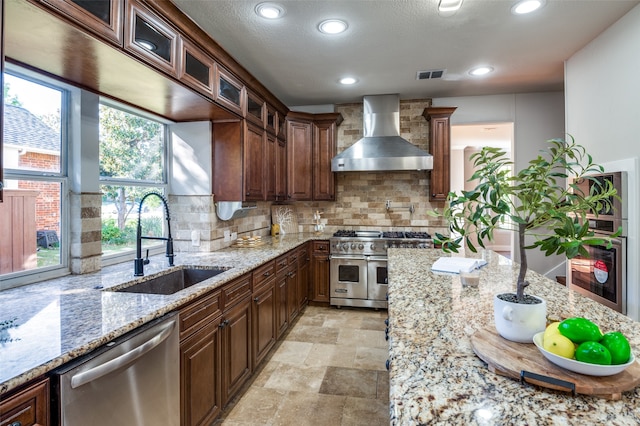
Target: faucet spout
column 139, row 262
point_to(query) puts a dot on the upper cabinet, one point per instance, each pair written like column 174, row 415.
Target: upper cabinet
column 102, row 17
column 311, row 144
column 231, row 92
column 151, row 38
column 255, row 109
column 197, row 69
column 440, row 147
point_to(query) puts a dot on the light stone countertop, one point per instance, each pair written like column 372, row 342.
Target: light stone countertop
column 62, row 319
column 435, row 377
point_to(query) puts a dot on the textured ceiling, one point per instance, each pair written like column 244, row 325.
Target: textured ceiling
column 388, row 41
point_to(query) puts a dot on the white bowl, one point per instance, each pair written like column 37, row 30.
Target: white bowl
column 578, row 366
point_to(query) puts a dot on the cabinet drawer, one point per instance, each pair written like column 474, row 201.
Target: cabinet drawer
column 199, row 313
column 235, row 291
column 263, row 274
column 321, row 246
column 281, row 263
column 27, row 407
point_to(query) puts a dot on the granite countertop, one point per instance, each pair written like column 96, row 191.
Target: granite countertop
column 58, row 320
column 435, row 377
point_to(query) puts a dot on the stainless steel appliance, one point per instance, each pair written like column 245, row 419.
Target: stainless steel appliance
column 602, row 276
column 133, row 380
column 358, row 265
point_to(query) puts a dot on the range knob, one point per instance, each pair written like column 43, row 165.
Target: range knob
column 373, row 247
column 360, row 246
column 353, row 246
column 345, row 246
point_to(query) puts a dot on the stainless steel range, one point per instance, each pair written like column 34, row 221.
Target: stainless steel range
column 359, row 264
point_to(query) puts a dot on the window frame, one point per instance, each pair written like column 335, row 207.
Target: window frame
column 159, row 247
column 20, row 278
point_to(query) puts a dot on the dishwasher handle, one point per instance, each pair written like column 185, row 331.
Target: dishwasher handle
column 124, row 360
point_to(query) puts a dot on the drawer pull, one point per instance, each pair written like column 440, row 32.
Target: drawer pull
column 266, row 274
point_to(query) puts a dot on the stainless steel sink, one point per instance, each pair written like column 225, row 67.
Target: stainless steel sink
column 174, row 281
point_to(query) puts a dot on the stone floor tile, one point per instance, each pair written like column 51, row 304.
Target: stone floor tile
column 331, row 355
column 365, row 412
column 257, row 405
column 313, row 334
column 310, row 409
column 350, row 382
column 291, row 377
column 371, row 358
column 368, row 338
column 292, row 352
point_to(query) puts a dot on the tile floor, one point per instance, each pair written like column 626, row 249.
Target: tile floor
column 329, row 369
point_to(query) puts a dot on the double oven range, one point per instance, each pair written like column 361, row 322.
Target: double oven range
column 359, row 264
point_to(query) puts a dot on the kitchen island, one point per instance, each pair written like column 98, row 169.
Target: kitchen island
column 436, row 378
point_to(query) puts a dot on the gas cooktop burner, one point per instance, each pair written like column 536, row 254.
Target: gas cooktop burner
column 344, row 233
column 418, row 235
column 348, row 233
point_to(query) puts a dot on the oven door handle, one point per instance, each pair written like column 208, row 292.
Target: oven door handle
column 342, row 257
column 376, row 258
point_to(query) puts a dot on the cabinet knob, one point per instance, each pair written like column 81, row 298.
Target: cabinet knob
column 266, row 274
column 289, row 195
column 248, row 193
column 257, row 299
column 14, row 423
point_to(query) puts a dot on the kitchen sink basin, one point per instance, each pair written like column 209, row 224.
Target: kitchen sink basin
column 174, row 281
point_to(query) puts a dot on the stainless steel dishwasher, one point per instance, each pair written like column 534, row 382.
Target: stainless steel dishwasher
column 133, row 380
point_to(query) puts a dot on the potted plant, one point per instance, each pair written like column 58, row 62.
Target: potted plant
column 535, row 202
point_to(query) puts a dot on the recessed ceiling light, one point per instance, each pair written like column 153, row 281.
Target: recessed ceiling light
column 449, row 5
column 332, row 26
column 348, row 80
column 527, row 6
column 480, row 71
column 270, row 10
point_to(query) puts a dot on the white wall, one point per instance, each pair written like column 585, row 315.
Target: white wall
column 191, row 159
column 537, row 117
column 602, row 85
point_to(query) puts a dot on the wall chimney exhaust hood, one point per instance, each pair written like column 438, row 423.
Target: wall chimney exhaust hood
column 381, row 148
column 227, row 210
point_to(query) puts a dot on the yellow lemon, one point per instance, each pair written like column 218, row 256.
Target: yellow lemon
column 551, row 330
column 559, row 345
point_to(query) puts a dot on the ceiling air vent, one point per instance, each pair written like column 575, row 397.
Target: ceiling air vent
column 430, row 74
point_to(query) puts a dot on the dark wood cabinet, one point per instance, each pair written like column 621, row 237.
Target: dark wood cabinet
column 299, row 159
column 201, row 397
column 440, row 147
column 101, row 17
column 320, row 272
column 282, row 270
column 311, row 144
column 281, row 170
column 303, row 276
column 28, row 406
column 200, row 360
column 236, row 348
column 264, row 311
column 292, row 287
column 150, row 37
column 270, row 167
column 254, row 163
column 196, row 68
column 255, row 109
column 231, row 93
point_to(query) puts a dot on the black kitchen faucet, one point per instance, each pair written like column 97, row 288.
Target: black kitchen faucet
column 139, row 262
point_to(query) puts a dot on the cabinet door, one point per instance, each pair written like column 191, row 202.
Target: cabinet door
column 255, row 109
column 200, row 385
column 281, row 170
column 440, row 147
column 281, row 302
column 236, row 348
column 231, row 92
column 299, row 163
column 264, row 321
column 196, row 67
column 28, row 407
column 151, row 38
column 102, row 17
column 292, row 292
column 270, row 167
column 270, row 123
column 254, row 160
column 324, row 149
column 320, row 271
column 303, row 276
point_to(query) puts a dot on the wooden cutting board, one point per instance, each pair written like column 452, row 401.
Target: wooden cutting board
column 509, row 359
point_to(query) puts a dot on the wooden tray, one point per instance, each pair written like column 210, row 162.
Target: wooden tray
column 510, row 359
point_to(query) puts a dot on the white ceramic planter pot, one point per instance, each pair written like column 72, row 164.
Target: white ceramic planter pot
column 519, row 322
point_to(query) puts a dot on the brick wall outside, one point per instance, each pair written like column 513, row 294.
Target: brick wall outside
column 48, row 200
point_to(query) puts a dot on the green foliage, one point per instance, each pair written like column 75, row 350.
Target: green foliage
column 534, row 202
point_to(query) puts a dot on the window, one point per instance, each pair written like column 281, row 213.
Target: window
column 133, row 153
column 33, row 227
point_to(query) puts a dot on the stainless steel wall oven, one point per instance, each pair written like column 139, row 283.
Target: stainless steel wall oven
column 602, row 276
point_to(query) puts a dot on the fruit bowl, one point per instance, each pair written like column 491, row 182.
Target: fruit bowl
column 578, row 366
